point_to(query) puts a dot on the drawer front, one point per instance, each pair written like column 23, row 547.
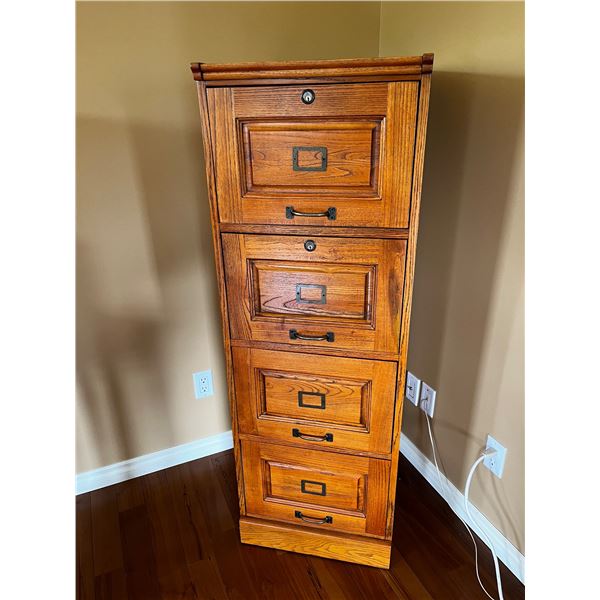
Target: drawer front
column 316, row 489
column 341, row 293
column 315, row 401
column 345, row 158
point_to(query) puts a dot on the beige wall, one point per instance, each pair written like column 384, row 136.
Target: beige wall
column 147, row 308
column 467, row 323
column 146, row 296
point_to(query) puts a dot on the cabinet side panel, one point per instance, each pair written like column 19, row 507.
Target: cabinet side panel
column 209, row 158
column 408, row 288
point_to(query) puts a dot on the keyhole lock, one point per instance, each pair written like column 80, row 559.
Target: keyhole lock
column 310, row 245
column 308, row 96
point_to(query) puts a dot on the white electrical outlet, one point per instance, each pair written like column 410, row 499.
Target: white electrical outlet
column 413, row 385
column 496, row 462
column 203, row 384
column 427, row 399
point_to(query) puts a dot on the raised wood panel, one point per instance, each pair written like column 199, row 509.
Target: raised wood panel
column 251, row 315
column 366, row 132
column 296, row 396
column 324, row 290
column 315, row 156
column 358, row 485
column 298, row 485
column 351, row 399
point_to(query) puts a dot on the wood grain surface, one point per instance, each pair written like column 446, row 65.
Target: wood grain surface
column 332, row 157
column 356, row 488
column 350, row 548
column 334, row 262
column 367, row 132
column 357, row 67
column 352, row 398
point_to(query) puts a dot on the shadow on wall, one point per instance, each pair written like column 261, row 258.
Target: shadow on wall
column 107, row 345
column 473, row 134
column 146, row 298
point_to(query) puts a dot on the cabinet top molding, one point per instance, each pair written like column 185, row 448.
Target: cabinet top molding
column 349, row 69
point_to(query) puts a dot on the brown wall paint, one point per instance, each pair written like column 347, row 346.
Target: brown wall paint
column 147, row 310
column 467, row 323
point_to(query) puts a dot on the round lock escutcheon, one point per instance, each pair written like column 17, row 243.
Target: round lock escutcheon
column 308, row 96
column 310, row 245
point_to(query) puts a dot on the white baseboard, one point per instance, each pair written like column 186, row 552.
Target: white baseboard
column 149, row 463
column 506, row 552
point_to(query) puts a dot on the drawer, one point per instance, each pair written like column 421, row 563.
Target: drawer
column 325, row 292
column 345, row 157
column 316, row 489
column 315, row 400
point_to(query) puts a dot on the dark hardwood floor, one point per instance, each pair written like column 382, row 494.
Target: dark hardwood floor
column 173, row 535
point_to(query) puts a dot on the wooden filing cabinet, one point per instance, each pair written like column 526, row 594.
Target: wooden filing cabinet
column 314, row 175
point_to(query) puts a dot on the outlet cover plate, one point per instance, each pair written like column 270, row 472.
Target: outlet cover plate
column 495, row 463
column 203, row 384
column 413, row 386
column 427, row 399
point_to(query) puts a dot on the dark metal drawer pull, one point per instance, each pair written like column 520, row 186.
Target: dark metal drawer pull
column 329, row 336
column 330, row 213
column 328, row 437
column 313, row 520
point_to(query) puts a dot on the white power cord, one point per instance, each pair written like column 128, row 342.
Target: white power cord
column 443, row 485
column 486, row 453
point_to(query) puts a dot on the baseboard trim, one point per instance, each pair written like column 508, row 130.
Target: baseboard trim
column 505, row 550
column 150, row 463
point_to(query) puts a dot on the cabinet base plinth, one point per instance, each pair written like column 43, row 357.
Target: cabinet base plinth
column 338, row 546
